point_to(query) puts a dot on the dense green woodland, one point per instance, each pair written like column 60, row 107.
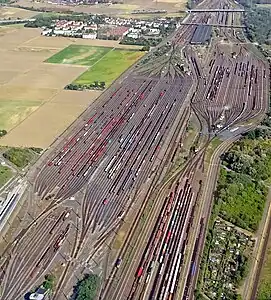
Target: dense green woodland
column 258, row 22
column 241, row 199
column 265, row 291
column 244, row 180
column 141, row 41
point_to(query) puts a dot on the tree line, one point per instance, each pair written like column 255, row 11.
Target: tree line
column 96, row 85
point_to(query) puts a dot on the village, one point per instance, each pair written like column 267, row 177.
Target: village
column 112, row 29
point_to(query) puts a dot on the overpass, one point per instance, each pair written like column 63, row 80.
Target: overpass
column 213, row 24
column 203, row 10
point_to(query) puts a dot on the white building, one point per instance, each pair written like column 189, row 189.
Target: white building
column 154, row 31
column 46, row 31
column 91, row 36
column 133, row 35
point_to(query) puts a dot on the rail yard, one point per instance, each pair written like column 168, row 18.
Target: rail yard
column 114, row 161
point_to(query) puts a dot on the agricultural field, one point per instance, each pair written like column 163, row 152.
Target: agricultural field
column 111, row 66
column 106, row 64
column 153, row 16
column 116, row 9
column 32, row 99
column 14, row 112
column 52, row 119
column 14, row 13
column 79, row 55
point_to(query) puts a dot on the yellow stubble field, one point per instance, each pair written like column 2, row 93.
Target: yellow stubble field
column 34, row 108
column 14, row 13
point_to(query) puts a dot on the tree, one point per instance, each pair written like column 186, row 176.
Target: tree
column 86, row 289
column 146, row 48
column 49, row 282
column 3, row 132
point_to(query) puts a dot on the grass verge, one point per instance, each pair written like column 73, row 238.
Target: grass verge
column 264, row 291
column 5, row 175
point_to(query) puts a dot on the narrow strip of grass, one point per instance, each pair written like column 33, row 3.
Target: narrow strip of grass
column 5, row 175
column 264, row 291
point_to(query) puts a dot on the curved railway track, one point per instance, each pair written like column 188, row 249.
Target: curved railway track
column 124, row 144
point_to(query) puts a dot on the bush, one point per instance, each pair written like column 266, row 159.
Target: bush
column 97, row 85
column 2, row 132
column 145, row 48
column 37, row 150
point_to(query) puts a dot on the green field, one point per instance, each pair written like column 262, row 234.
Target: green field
column 109, row 67
column 106, row 64
column 13, row 112
column 79, row 55
column 5, row 175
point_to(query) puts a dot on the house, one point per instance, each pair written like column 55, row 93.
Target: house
column 133, row 35
column 154, row 31
column 46, row 31
column 91, row 36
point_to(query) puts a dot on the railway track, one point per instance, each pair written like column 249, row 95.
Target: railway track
column 124, row 144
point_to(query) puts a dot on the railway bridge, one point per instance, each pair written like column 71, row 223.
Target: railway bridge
column 204, row 10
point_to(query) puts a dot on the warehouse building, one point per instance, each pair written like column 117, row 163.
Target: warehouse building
column 202, row 35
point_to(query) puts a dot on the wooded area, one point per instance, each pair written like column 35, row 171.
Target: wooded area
column 258, row 22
